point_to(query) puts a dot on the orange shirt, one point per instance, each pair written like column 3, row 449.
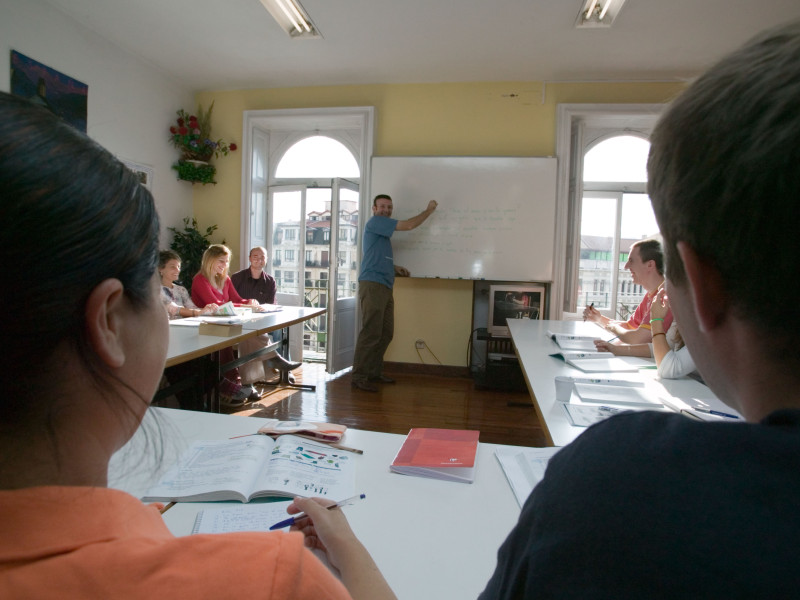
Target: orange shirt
column 74, row 542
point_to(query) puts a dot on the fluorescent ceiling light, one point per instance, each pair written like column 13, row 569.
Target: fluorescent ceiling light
column 598, row 13
column 292, row 18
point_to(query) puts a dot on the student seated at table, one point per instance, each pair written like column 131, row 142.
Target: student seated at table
column 212, row 285
column 668, row 349
column 64, row 533
column 179, row 305
column 254, row 282
column 657, row 505
column 175, row 297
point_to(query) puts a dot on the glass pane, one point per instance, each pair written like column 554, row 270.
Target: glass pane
column 317, row 262
column 638, row 223
column 318, row 156
column 286, row 225
column 622, row 158
column 348, row 243
column 595, row 272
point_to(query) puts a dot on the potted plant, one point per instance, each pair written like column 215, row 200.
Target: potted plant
column 190, row 244
column 192, row 136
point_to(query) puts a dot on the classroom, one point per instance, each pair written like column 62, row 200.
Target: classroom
column 131, row 102
column 511, row 114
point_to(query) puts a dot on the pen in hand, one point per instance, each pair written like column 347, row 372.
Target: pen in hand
column 292, row 520
column 591, row 306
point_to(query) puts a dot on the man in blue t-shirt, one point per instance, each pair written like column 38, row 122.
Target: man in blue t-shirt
column 375, row 291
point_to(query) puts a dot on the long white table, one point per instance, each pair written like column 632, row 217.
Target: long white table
column 185, row 343
column 533, row 347
column 431, row 539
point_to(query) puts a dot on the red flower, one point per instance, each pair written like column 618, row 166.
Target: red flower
column 180, row 122
column 173, row 130
column 183, row 130
column 232, row 147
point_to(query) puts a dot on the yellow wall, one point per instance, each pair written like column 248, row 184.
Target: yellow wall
column 450, row 119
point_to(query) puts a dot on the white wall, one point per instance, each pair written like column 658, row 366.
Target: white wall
column 131, row 103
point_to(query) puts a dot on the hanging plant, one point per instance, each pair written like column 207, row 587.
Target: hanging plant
column 192, row 136
column 195, row 171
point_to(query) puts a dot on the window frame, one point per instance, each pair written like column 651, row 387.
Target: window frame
column 578, row 126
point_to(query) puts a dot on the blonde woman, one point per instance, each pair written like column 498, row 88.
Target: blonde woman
column 212, row 285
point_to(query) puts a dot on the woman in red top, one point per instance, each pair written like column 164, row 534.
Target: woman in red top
column 212, row 285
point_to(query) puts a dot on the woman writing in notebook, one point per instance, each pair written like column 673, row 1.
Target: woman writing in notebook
column 65, row 534
column 667, row 348
column 174, row 296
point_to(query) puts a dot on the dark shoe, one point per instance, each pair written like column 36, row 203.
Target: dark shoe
column 363, row 385
column 382, row 379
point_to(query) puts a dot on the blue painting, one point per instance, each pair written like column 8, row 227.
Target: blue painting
column 63, row 95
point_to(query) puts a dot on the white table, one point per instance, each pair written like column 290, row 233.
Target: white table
column 185, row 343
column 533, row 347
column 431, row 539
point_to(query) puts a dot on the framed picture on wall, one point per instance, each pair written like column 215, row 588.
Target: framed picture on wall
column 61, row 94
column 143, row 172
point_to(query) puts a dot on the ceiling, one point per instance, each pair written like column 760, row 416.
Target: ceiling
column 235, row 44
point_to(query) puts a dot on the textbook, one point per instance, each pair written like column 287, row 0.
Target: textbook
column 601, row 362
column 255, row 466
column 324, row 432
column 611, row 394
column 570, row 341
column 583, row 415
column 447, row 454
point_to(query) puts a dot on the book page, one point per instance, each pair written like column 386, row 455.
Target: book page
column 524, row 468
column 300, row 467
column 210, row 468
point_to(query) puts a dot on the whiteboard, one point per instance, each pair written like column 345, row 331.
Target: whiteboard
column 495, row 220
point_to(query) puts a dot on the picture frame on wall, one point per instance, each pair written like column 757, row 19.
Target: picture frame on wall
column 43, row 85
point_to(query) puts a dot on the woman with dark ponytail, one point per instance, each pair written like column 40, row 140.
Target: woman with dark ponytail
column 84, row 339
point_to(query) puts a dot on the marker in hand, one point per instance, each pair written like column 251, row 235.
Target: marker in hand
column 292, row 520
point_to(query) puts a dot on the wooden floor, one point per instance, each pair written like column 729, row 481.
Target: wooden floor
column 414, row 401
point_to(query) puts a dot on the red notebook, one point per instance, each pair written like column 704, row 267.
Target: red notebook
column 447, row 454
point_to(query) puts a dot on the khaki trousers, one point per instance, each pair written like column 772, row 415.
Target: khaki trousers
column 377, row 329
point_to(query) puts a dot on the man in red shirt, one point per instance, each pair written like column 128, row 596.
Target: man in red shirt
column 646, row 264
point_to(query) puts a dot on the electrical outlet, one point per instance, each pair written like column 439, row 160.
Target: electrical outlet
column 420, row 344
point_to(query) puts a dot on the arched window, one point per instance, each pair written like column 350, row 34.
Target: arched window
column 615, row 212
column 317, row 156
column 620, row 158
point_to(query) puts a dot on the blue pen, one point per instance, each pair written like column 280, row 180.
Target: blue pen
column 291, row 520
column 714, row 412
